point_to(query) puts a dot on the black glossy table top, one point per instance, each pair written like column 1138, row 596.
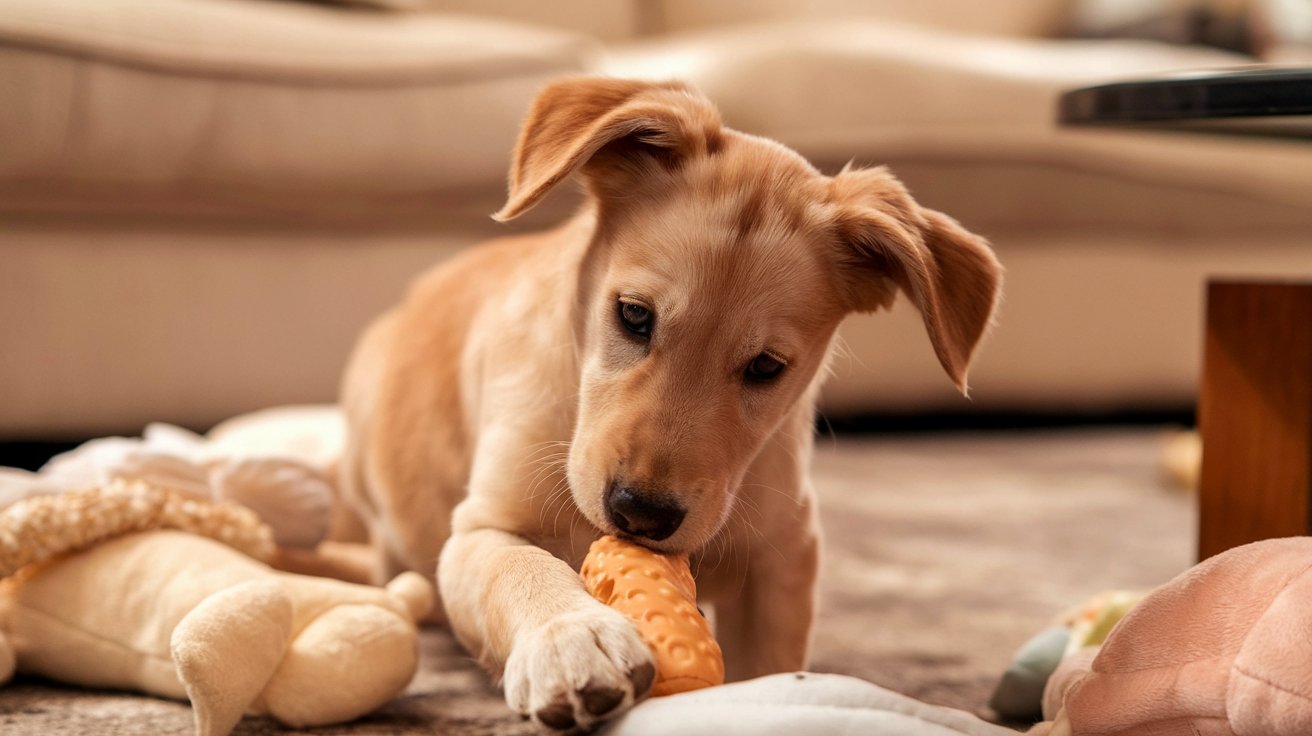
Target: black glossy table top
column 1265, row 101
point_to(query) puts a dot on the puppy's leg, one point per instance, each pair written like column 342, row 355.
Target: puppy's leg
column 766, row 627
column 566, row 660
column 403, row 468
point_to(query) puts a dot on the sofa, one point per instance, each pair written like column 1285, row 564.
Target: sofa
column 203, row 202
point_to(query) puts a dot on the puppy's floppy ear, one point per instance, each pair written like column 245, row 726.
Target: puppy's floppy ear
column 887, row 240
column 572, row 120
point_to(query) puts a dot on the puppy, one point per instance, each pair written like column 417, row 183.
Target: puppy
column 648, row 369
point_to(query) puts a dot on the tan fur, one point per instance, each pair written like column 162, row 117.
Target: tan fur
column 491, row 410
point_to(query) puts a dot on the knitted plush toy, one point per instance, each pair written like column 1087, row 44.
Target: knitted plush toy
column 133, row 587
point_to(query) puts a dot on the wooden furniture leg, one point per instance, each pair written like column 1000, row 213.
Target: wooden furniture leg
column 1255, row 414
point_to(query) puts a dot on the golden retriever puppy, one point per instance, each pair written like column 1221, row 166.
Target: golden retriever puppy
column 648, row 369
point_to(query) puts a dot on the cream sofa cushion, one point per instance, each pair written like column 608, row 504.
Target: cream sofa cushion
column 249, row 103
column 974, row 120
column 113, row 323
column 609, row 20
column 1010, row 18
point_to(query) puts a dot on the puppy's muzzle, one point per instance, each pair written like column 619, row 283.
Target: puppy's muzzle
column 641, row 514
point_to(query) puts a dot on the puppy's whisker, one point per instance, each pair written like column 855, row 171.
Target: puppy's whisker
column 737, row 569
column 553, row 466
column 731, row 552
column 573, row 521
column 559, row 500
column 547, row 465
column 547, row 443
column 538, row 451
column 751, row 527
column 545, row 470
column 790, row 497
column 543, row 467
column 828, row 432
column 545, row 451
column 844, row 352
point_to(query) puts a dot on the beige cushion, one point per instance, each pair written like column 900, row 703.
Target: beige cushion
column 1011, row 18
column 838, row 76
column 604, row 19
column 111, row 325
column 972, row 121
column 394, row 5
column 250, row 103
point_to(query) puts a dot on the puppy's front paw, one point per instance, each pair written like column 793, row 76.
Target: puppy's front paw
column 578, row 669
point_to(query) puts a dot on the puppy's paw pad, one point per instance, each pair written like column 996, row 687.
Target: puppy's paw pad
column 642, row 677
column 600, row 699
column 559, row 715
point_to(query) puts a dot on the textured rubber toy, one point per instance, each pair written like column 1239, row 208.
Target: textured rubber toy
column 657, row 593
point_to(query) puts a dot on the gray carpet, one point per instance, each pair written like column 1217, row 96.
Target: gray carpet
column 943, row 553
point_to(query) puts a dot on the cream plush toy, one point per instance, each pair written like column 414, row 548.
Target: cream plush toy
column 136, row 587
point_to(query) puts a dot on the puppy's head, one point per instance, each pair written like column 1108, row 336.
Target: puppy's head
column 720, row 267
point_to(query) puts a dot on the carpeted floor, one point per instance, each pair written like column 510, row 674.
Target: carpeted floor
column 943, row 553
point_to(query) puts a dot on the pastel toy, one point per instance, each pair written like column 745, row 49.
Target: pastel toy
column 130, row 586
column 657, row 593
column 1092, row 623
column 1221, row 649
column 1019, row 694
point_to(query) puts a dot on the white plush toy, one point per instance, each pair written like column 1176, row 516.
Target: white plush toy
column 280, row 463
column 132, row 586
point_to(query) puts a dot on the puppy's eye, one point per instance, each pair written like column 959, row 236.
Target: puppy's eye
column 764, row 367
column 636, row 318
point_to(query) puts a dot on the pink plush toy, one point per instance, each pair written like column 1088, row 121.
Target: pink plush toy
column 1225, row 649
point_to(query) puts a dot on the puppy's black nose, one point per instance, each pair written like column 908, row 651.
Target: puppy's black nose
column 641, row 515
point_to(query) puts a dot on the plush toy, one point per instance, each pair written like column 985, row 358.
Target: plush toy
column 1222, row 649
column 657, row 593
column 278, row 463
column 135, row 587
column 1019, row 695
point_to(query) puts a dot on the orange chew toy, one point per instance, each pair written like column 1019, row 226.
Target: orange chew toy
column 658, row 595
